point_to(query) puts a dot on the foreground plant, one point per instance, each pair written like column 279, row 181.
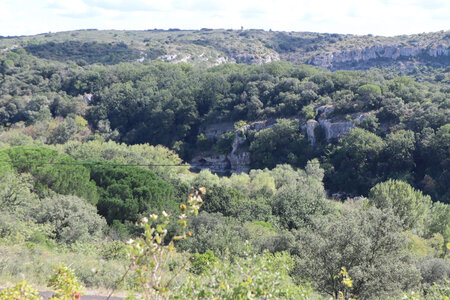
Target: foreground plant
column 20, row 291
column 253, row 276
column 149, row 254
column 65, row 284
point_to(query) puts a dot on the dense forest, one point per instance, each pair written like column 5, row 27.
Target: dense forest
column 345, row 190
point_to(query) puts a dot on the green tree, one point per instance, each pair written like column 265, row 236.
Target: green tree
column 355, row 161
column 296, row 205
column 368, row 243
column 439, row 221
column 128, row 191
column 410, row 205
column 52, row 170
column 397, row 158
column 370, row 95
column 283, row 143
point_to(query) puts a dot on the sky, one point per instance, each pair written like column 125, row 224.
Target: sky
column 377, row 17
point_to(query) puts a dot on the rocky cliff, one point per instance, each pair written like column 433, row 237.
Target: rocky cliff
column 362, row 58
column 238, row 160
column 350, row 59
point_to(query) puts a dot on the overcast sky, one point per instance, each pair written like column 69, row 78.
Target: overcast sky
column 379, row 17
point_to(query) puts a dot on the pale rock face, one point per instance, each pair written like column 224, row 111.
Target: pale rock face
column 391, row 52
column 310, row 126
column 217, row 163
column 169, row 57
column 88, row 98
column 335, row 130
column 239, row 160
column 221, row 60
column 439, row 51
column 214, row 131
column 255, row 59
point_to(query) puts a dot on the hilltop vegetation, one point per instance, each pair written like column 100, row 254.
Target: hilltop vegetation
column 92, row 141
column 212, row 47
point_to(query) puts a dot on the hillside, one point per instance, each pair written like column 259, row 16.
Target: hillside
column 212, row 47
column 236, row 164
column 236, row 117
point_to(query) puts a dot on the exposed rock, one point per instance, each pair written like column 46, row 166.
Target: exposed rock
column 361, row 116
column 325, row 110
column 88, row 98
column 214, row 131
column 335, row 129
column 239, row 159
column 349, row 59
column 222, row 60
column 439, row 51
column 310, row 126
column 168, row 57
column 216, row 163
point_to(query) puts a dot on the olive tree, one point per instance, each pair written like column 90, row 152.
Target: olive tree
column 367, row 242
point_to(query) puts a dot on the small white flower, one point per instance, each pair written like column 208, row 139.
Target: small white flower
column 130, row 242
column 144, row 220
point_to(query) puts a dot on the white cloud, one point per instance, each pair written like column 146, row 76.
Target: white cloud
column 381, row 17
column 127, row 6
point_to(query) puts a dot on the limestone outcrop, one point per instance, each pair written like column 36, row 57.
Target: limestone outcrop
column 358, row 58
column 216, row 163
column 310, row 127
column 335, row 129
column 238, row 160
column 239, row 157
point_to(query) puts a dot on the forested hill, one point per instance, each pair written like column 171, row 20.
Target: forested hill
column 212, row 47
column 233, row 117
column 339, row 179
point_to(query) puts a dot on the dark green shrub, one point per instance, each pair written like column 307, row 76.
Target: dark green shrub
column 225, row 142
column 201, row 263
column 128, row 191
column 52, row 170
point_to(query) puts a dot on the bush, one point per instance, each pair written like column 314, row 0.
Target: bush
column 128, row 191
column 213, row 231
column 114, row 250
column 297, row 204
column 409, row 204
column 201, row 263
column 20, row 291
column 65, row 284
column 434, row 270
column 252, row 276
column 72, row 218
